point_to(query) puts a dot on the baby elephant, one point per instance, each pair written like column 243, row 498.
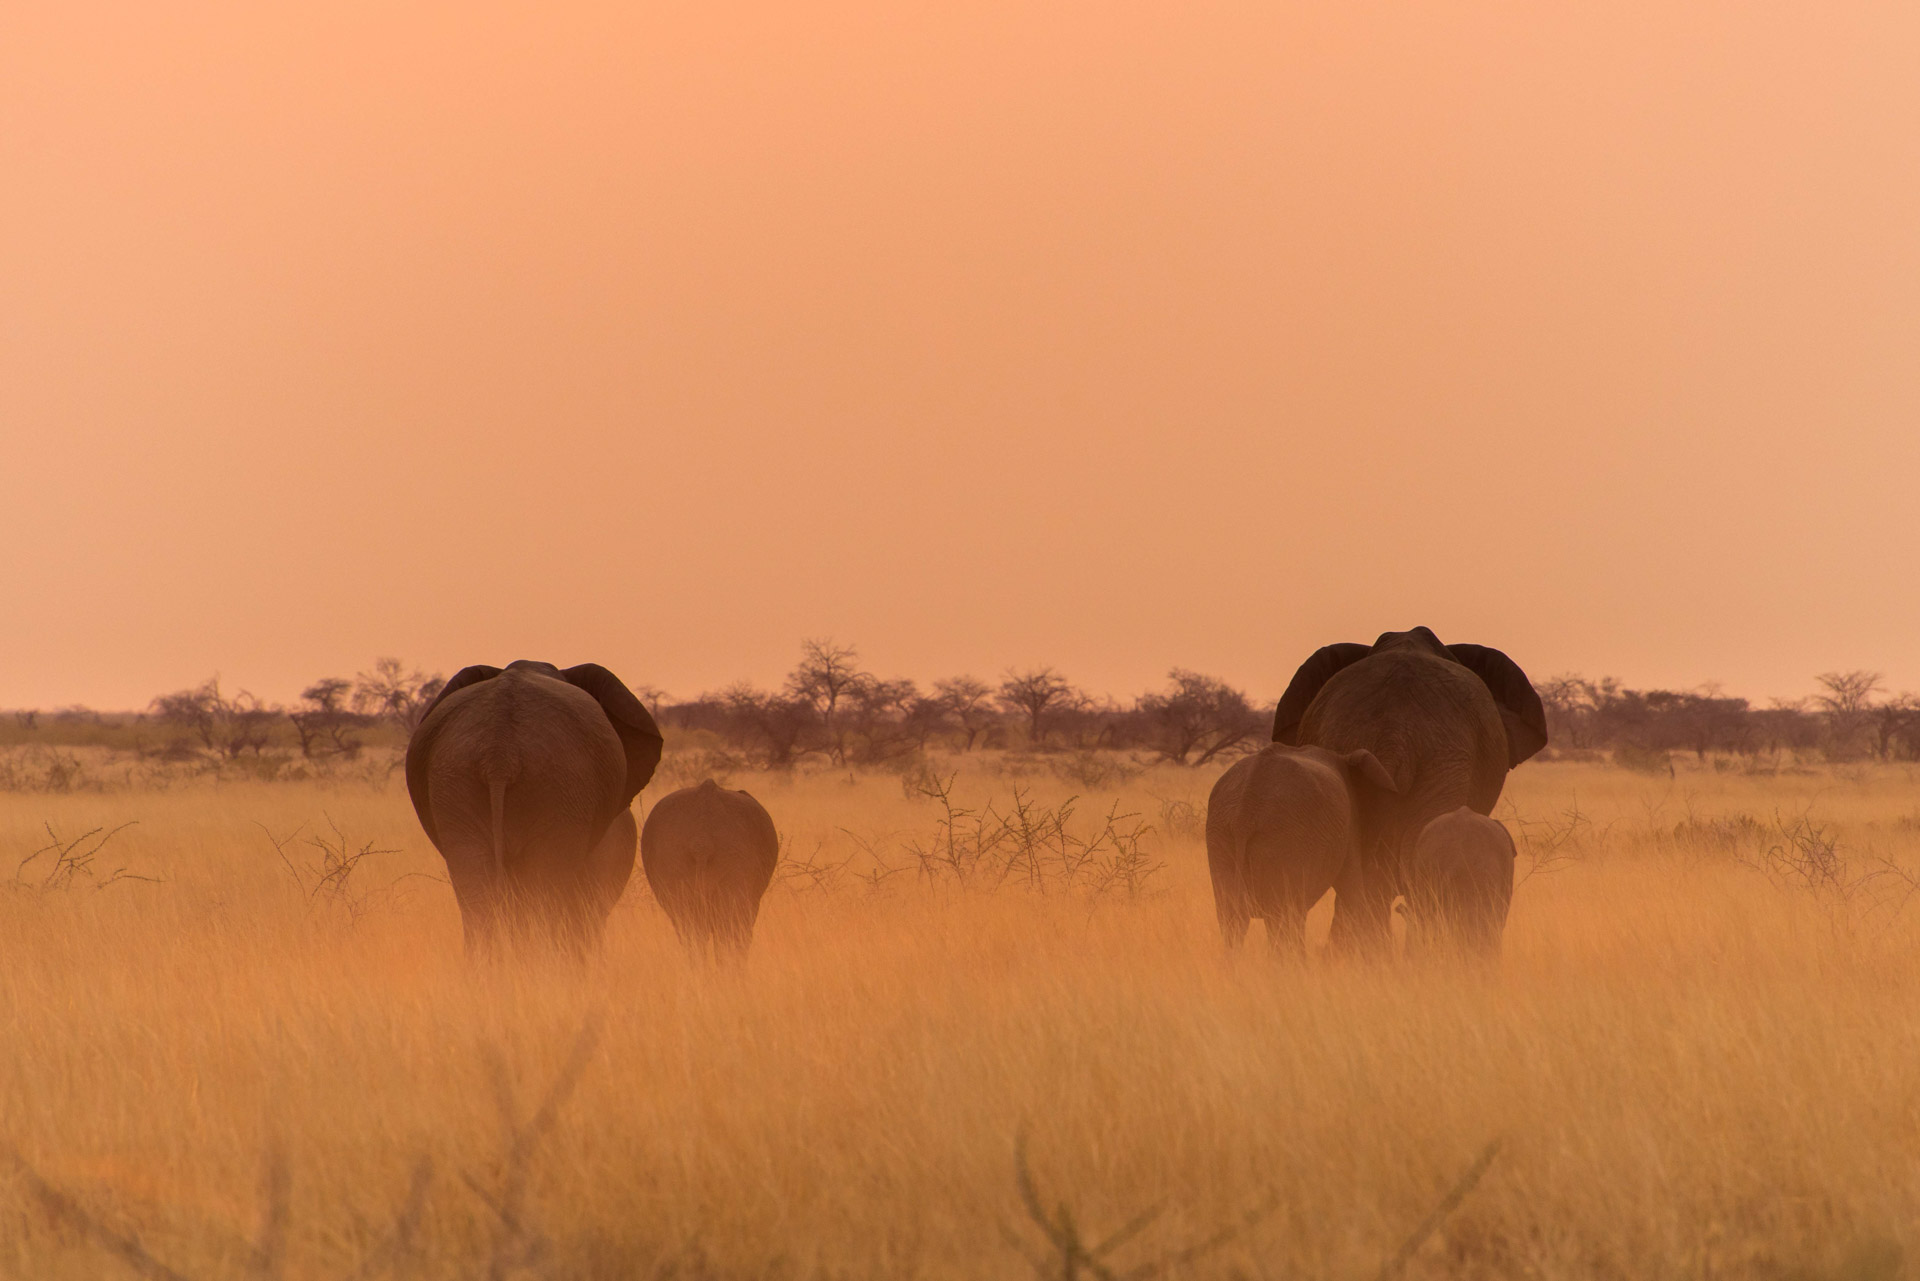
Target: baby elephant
column 709, row 854
column 1279, row 831
column 1459, row 886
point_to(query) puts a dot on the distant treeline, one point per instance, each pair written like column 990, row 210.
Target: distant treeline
column 831, row 709
column 1852, row 718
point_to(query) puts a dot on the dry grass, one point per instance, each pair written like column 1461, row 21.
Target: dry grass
column 1698, row 1060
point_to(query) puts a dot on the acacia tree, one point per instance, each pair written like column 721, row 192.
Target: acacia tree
column 1847, row 707
column 324, row 721
column 1036, row 694
column 1198, row 714
column 652, row 697
column 882, row 717
column 967, row 700
column 1570, row 702
column 776, row 725
column 227, row 724
column 391, row 691
column 1897, row 720
column 826, row 678
column 922, row 718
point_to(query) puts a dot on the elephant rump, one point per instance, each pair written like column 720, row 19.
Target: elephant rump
column 709, row 854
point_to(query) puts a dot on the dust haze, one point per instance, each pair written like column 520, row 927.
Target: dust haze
column 990, row 443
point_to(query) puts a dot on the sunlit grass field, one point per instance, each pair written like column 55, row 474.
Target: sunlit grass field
column 1699, row 1058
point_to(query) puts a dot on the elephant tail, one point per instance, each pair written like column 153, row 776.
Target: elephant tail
column 497, row 800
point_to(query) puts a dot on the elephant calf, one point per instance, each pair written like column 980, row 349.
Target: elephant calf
column 709, row 854
column 1460, row 885
column 1279, row 834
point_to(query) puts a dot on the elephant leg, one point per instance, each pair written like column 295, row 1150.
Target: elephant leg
column 719, row 927
column 484, row 909
column 683, row 910
column 610, row 864
column 1425, row 926
column 1230, row 902
column 1287, row 932
column 1231, row 908
column 575, row 926
column 1484, row 927
column 746, row 912
column 1362, row 913
column 733, row 935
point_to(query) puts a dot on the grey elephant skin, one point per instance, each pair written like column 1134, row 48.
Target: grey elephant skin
column 1460, row 887
column 1280, row 828
column 522, row 777
column 1447, row 722
column 709, row 854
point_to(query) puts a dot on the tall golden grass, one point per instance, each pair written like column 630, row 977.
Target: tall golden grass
column 1700, row 1056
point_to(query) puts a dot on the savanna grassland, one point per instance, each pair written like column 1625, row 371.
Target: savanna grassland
column 1700, row 1058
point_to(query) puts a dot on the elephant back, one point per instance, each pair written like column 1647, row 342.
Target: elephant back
column 1404, row 707
column 1517, row 705
column 1434, row 728
column 640, row 739
column 535, row 734
column 706, row 822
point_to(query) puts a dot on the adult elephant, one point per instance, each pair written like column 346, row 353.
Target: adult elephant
column 1446, row 721
column 522, row 777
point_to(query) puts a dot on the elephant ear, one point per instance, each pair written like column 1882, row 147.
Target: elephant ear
column 639, row 736
column 417, row 756
column 1520, row 709
column 1306, row 684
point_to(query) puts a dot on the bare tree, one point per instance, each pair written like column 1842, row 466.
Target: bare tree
column 324, row 721
column 228, row 725
column 923, row 718
column 777, row 725
column 826, row 678
column 1036, row 694
column 249, row 724
column 1788, row 723
column 1897, row 721
column 966, row 699
column 1847, row 707
column 1198, row 714
column 1570, row 701
column 1847, row 693
column 1700, row 720
column 392, row 692
column 1089, row 724
column 190, row 710
column 880, row 716
column 652, row 697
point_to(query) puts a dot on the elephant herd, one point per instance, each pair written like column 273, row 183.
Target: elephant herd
column 524, row 778
column 1385, row 763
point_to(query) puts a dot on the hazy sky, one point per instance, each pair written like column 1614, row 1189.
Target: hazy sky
column 1114, row 336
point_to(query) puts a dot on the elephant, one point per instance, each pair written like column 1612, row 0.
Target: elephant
column 523, row 777
column 1279, row 831
column 1460, row 885
column 1446, row 721
column 709, row 853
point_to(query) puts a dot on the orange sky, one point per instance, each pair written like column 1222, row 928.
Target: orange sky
column 1114, row 335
